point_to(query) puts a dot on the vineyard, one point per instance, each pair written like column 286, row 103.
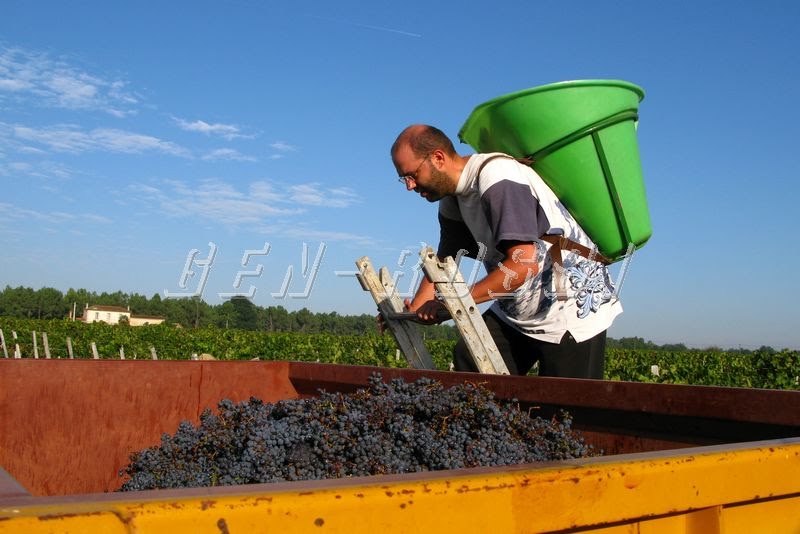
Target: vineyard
column 758, row 369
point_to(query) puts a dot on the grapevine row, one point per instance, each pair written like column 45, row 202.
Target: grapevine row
column 758, row 369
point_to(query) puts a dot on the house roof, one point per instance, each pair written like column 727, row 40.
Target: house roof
column 119, row 309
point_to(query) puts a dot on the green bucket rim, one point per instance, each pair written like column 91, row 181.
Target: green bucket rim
column 560, row 85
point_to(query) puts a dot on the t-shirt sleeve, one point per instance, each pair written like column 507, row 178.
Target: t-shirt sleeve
column 454, row 235
column 513, row 213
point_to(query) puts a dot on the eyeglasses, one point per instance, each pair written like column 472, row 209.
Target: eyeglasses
column 413, row 176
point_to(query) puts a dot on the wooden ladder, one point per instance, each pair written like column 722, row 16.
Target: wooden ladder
column 454, row 293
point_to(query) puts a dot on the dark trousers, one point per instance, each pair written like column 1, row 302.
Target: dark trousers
column 520, row 352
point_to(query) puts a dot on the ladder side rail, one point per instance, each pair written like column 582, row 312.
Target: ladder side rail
column 405, row 332
column 452, row 288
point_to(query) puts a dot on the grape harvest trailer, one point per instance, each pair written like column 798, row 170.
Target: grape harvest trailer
column 677, row 458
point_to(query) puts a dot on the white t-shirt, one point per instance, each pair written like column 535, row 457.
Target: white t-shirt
column 511, row 203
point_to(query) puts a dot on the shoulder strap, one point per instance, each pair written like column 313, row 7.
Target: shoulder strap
column 565, row 243
column 558, row 242
column 524, row 161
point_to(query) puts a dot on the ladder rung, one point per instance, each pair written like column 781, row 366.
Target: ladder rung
column 412, row 316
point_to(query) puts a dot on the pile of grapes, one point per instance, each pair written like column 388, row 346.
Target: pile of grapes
column 394, row 427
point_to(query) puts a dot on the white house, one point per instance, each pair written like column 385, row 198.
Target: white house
column 115, row 314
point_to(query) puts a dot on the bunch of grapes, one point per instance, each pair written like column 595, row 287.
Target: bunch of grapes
column 393, row 427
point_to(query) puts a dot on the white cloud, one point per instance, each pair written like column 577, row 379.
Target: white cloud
column 132, row 143
column 14, row 85
column 147, row 190
column 40, row 169
column 60, row 138
column 280, row 146
column 14, row 169
column 69, row 138
column 90, row 217
column 55, row 170
column 325, row 236
column 73, row 92
column 213, row 201
column 227, row 131
column 24, row 149
column 36, row 78
column 313, row 195
column 218, row 201
column 9, row 212
column 266, row 192
column 227, row 154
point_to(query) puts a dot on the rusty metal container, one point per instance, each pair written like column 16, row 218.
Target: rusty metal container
column 678, row 458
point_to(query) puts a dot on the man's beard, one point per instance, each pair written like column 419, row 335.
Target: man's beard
column 438, row 187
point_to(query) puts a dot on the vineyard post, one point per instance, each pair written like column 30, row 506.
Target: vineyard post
column 35, row 346
column 69, row 348
column 95, row 355
column 3, row 341
column 17, row 353
column 153, row 353
column 46, row 345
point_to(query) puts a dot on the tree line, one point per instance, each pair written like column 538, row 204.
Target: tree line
column 237, row 313
column 241, row 313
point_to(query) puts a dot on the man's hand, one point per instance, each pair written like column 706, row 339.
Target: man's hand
column 428, row 309
column 431, row 312
column 381, row 322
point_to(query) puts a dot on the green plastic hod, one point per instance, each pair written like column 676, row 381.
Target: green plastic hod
column 582, row 138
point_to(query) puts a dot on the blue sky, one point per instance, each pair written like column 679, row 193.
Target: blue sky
column 132, row 134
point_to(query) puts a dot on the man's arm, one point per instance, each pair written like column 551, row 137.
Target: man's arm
column 520, row 264
column 425, row 293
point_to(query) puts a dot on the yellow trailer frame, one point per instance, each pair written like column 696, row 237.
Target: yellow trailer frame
column 747, row 488
column 62, row 449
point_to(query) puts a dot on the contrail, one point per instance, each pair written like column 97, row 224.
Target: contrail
column 243, row 3
column 381, row 28
column 367, row 26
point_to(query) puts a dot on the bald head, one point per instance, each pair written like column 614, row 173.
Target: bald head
column 423, row 139
column 427, row 162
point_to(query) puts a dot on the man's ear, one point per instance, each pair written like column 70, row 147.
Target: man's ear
column 438, row 158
